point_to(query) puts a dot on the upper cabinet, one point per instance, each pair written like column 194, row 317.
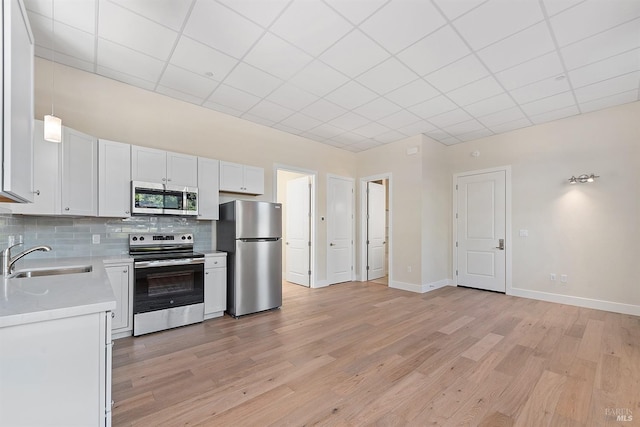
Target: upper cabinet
column 16, row 108
column 114, row 179
column 152, row 165
column 79, row 173
column 238, row 178
column 208, row 197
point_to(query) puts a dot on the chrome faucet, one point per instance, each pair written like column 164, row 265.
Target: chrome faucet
column 8, row 262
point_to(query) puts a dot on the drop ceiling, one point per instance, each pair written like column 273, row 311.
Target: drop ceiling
column 357, row 74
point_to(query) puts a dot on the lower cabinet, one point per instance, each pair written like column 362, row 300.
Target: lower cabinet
column 215, row 285
column 57, row 372
column 121, row 278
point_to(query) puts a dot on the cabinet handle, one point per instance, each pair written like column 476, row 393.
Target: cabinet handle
column 125, row 271
column 127, row 212
column 206, row 272
column 169, row 180
column 113, row 315
column 37, row 192
column 66, row 209
column 164, row 179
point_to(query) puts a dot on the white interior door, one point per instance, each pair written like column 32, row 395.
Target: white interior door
column 376, row 213
column 339, row 229
column 481, row 231
column 298, row 231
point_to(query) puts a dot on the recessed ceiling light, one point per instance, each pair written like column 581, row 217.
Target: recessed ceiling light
column 208, row 74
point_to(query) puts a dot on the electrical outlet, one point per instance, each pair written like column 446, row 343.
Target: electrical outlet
column 409, row 269
column 95, row 239
column 563, row 278
column 11, row 240
column 552, row 276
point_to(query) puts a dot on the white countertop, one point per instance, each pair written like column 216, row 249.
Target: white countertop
column 36, row 299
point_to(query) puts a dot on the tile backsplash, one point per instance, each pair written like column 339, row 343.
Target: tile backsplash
column 72, row 236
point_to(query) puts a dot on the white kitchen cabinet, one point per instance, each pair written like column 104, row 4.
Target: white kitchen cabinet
column 215, row 284
column 114, row 179
column 79, row 173
column 239, row 178
column 121, row 279
column 57, row 372
column 46, row 176
column 163, row 167
column 16, row 108
column 208, row 189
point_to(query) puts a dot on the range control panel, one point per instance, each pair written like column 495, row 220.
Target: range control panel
column 160, row 240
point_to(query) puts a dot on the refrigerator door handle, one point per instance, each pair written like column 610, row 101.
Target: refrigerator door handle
column 270, row 239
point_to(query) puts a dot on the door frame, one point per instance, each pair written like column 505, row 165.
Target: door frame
column 508, row 238
column 363, row 224
column 353, row 228
column 313, row 175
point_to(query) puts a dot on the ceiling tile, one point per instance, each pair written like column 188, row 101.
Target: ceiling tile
column 252, row 80
column 270, row 111
column 326, row 131
column 287, row 129
column 125, row 60
column 319, row 79
column 390, row 136
column 412, row 93
column 201, row 59
column 371, row 129
column 461, row 72
column 449, row 141
column 504, row 116
column 551, row 103
column 464, row 127
column 520, row 47
column 70, row 61
column 256, row 119
column 434, row 51
column 377, row 109
column 292, row 97
column 402, row 22
column 276, row 56
column 364, row 145
column 453, row 9
column 174, row 93
column 432, row 107
column 323, row 110
column 609, row 87
column 606, row 69
column 349, row 121
column 476, row 91
column 541, row 89
column 555, row 115
column 438, row 135
column 222, row 109
column 351, row 95
column 218, row 27
column 341, row 55
column 348, row 138
column 610, row 101
column 389, row 75
column 169, row 13
column 234, row 98
column 121, row 26
column 450, row 118
column 300, row 121
column 399, row 119
column 416, row 128
column 187, row 82
column 591, row 17
column 497, row 19
column 481, row 133
column 80, row 14
column 68, row 40
column 126, row 78
column 509, row 126
column 531, row 71
column 490, row 105
column 311, row 25
column 554, row 7
column 260, row 11
column 609, row 43
column 356, row 10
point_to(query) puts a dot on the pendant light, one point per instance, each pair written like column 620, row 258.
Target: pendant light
column 52, row 124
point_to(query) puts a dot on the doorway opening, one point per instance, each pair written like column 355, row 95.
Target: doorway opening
column 375, row 229
column 295, row 190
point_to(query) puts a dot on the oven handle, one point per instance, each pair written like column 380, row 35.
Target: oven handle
column 168, row 262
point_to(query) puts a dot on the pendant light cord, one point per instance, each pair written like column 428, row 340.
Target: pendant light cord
column 53, row 55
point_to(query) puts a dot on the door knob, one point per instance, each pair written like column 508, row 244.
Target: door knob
column 500, row 245
column 331, row 244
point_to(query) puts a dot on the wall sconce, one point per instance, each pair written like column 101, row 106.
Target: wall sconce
column 582, row 179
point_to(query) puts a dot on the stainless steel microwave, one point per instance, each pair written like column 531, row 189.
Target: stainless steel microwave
column 149, row 198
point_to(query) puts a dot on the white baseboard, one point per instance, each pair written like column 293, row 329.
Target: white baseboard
column 615, row 307
column 411, row 287
column 421, row 289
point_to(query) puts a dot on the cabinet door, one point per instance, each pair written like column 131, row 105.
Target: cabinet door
column 208, row 188
column 114, row 179
column 215, row 290
column 16, row 78
column 253, row 180
column 119, row 279
column 79, row 173
column 182, row 169
column 231, row 177
column 148, row 164
column 46, row 177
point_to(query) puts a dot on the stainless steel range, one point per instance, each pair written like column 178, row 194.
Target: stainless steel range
column 169, row 282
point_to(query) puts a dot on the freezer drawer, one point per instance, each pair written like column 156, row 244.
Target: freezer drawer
column 255, row 282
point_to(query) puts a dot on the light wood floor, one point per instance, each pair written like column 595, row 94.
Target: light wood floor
column 360, row 353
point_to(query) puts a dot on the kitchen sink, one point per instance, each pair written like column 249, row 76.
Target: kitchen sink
column 56, row 271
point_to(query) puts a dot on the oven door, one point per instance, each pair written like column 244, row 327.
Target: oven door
column 167, row 284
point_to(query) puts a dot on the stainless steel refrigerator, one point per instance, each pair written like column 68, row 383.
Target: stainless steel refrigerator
column 250, row 232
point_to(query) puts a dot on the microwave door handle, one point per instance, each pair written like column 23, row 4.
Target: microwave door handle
column 168, row 262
